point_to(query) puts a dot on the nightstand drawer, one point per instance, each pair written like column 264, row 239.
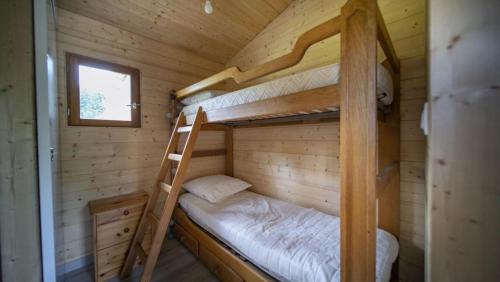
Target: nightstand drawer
column 116, row 232
column 119, row 214
column 111, row 258
column 105, row 276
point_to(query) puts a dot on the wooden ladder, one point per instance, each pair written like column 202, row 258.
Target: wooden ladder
column 172, row 190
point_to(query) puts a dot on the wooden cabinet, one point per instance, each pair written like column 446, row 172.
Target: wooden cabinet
column 115, row 220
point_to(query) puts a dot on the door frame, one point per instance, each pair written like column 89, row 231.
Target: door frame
column 45, row 153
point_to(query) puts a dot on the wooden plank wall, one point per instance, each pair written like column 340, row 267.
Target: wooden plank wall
column 19, row 216
column 297, row 163
column 207, row 140
column 464, row 142
column 305, row 169
column 101, row 162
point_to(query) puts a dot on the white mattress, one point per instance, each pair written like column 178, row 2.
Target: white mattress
column 289, row 242
column 310, row 79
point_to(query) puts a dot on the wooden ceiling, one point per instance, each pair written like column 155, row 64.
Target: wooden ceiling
column 184, row 24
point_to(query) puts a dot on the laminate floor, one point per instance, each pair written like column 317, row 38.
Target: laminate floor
column 175, row 263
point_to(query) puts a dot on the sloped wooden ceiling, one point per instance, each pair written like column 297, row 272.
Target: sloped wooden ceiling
column 183, row 23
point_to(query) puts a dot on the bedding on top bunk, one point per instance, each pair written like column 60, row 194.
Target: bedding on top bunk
column 306, row 80
column 289, row 242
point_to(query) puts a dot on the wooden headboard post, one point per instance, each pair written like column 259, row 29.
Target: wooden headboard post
column 229, row 150
column 388, row 155
column 358, row 140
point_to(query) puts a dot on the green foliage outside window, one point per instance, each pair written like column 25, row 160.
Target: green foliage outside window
column 91, row 104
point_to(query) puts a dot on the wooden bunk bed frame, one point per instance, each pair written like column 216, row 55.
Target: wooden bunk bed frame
column 369, row 141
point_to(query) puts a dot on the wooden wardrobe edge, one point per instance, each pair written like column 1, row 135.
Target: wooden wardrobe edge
column 244, row 269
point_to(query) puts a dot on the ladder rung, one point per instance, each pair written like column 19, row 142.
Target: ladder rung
column 141, row 253
column 175, row 157
column 153, row 218
column 165, row 187
column 184, row 129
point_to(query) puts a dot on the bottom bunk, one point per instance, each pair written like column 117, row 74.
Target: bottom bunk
column 285, row 241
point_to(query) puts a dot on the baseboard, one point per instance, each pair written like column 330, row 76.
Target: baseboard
column 84, row 262
column 74, row 264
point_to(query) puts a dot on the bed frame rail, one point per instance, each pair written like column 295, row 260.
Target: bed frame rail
column 385, row 42
column 294, row 104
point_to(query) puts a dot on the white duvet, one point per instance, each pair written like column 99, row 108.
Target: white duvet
column 289, row 242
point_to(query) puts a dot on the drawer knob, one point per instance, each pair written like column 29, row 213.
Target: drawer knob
column 126, row 212
column 118, row 234
column 126, row 230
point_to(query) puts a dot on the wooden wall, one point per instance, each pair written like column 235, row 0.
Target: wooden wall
column 19, row 216
column 297, row 164
column 207, row 140
column 100, row 162
column 464, row 142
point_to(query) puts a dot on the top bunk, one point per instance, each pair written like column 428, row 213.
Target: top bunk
column 310, row 92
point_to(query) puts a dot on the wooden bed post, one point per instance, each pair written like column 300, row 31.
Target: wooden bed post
column 388, row 154
column 358, row 140
column 229, row 150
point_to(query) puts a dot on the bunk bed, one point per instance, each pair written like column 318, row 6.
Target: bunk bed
column 363, row 97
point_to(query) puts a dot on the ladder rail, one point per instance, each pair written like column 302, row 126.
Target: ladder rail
column 163, row 221
column 171, row 201
column 141, row 229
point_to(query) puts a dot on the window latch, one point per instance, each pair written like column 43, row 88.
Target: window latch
column 134, row 105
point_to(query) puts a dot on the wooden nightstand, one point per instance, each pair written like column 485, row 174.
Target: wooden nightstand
column 114, row 222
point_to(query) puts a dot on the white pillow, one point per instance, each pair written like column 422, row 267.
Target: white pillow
column 215, row 188
column 202, row 96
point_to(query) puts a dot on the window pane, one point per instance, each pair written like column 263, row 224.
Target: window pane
column 104, row 94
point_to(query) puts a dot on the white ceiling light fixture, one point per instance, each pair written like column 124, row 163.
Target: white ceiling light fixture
column 208, row 7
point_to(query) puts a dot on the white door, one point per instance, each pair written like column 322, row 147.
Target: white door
column 47, row 128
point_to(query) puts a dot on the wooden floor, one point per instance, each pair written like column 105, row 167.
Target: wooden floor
column 175, row 263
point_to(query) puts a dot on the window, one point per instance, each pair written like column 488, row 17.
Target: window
column 102, row 93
